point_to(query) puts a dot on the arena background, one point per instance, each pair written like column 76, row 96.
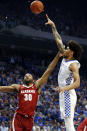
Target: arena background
column 27, row 45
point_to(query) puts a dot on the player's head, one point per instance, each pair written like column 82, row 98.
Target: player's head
column 73, row 50
column 28, row 79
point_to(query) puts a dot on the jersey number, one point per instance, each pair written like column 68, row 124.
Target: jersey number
column 28, row 97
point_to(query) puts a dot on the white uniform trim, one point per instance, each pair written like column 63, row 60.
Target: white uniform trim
column 85, row 128
column 28, row 86
column 13, row 126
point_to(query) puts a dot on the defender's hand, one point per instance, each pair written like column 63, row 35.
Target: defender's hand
column 49, row 22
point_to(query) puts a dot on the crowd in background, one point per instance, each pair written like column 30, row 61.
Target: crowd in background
column 14, row 67
column 47, row 114
column 66, row 22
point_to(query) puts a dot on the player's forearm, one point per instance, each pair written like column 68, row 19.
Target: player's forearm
column 50, row 67
column 55, row 32
column 48, row 71
column 58, row 38
column 53, row 63
column 76, row 84
column 6, row 89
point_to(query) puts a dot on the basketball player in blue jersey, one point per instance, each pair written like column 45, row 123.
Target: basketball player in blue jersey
column 68, row 77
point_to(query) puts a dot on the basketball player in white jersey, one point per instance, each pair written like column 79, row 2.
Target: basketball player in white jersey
column 68, row 77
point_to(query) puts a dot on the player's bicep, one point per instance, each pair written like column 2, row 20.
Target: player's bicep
column 75, row 70
column 15, row 87
column 44, row 78
column 39, row 82
column 60, row 45
column 6, row 88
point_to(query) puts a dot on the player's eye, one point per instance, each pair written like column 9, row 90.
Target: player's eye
column 66, row 47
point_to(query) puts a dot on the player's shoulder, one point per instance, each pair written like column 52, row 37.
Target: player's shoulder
column 75, row 63
column 74, row 66
column 16, row 86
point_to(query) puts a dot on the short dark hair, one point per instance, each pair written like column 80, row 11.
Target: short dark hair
column 76, row 48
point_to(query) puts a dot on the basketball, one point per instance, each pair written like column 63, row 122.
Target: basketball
column 37, row 7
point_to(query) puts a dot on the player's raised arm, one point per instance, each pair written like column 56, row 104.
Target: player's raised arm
column 57, row 37
column 48, row 71
column 12, row 88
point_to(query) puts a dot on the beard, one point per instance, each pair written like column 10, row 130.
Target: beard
column 27, row 82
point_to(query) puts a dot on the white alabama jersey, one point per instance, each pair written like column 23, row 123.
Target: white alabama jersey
column 68, row 98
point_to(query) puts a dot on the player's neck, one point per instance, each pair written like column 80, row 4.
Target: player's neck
column 69, row 58
column 28, row 85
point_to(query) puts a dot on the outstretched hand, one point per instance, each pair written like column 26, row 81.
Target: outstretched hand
column 49, row 22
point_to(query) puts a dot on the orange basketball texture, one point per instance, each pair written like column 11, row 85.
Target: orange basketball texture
column 37, row 7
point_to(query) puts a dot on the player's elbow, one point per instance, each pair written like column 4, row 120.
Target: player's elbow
column 78, row 83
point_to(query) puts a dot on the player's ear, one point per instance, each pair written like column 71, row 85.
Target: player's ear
column 72, row 53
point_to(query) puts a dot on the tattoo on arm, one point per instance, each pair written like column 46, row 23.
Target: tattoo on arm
column 56, row 33
column 58, row 39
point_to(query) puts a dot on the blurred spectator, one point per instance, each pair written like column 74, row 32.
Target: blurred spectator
column 36, row 127
column 46, row 127
column 62, row 126
column 3, row 127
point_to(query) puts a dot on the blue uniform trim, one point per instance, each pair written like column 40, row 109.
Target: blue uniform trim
column 67, row 104
column 67, row 98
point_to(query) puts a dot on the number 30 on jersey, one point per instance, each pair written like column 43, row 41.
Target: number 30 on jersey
column 28, row 97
